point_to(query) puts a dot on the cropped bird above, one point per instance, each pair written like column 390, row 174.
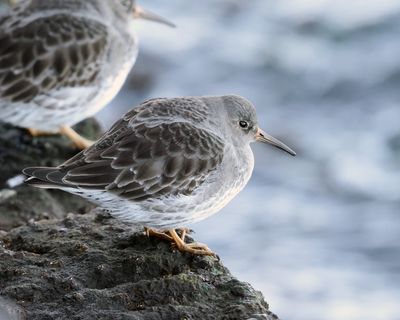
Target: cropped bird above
column 61, row 61
column 167, row 163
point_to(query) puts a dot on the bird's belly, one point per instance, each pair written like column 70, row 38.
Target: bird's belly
column 167, row 212
column 178, row 211
column 211, row 197
column 181, row 211
column 45, row 112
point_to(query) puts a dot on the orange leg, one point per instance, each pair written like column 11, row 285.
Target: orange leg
column 79, row 141
column 179, row 241
column 37, row 133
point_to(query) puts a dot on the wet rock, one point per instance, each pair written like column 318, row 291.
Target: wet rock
column 18, row 150
column 85, row 267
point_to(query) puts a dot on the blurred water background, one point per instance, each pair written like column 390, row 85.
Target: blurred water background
column 319, row 234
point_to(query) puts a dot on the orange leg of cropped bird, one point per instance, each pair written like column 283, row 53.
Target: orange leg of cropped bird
column 79, row 141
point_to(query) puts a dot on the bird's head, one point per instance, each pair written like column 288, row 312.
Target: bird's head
column 139, row 13
column 243, row 123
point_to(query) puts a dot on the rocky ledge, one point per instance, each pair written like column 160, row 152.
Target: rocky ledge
column 60, row 265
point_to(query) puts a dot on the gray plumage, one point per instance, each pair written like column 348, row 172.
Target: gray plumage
column 63, row 60
column 166, row 163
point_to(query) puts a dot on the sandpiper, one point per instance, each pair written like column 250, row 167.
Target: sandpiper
column 61, row 61
column 166, row 163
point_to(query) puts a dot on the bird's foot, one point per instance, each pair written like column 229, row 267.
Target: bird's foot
column 79, row 141
column 165, row 235
column 150, row 232
column 193, row 248
column 178, row 241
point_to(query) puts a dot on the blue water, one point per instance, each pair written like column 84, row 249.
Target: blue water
column 318, row 234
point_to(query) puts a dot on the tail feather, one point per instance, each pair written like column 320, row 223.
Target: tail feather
column 34, row 182
column 45, row 177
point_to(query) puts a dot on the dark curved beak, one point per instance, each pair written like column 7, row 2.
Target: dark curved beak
column 266, row 138
column 140, row 13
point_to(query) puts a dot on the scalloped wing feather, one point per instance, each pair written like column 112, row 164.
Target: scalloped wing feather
column 135, row 167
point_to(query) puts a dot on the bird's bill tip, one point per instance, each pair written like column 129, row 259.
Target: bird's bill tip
column 140, row 13
column 266, row 138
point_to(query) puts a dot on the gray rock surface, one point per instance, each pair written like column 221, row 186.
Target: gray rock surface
column 95, row 267
column 60, row 265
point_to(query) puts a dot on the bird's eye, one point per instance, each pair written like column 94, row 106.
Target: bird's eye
column 243, row 124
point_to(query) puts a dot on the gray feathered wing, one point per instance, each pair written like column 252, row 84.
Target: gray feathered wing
column 49, row 53
column 139, row 162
